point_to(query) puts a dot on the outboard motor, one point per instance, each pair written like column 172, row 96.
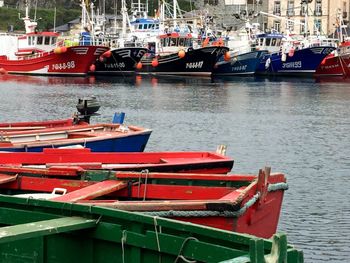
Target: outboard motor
column 87, row 107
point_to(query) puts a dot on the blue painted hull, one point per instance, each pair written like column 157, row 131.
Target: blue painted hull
column 134, row 143
column 304, row 62
column 243, row 64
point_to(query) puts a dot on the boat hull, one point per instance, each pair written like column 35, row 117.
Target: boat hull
column 196, row 162
column 131, row 143
column 239, row 203
column 74, row 61
column 45, row 231
column 98, row 137
column 122, row 61
column 243, row 64
column 197, row 62
column 335, row 66
column 303, row 62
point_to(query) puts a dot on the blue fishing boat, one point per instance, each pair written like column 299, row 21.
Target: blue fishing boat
column 292, row 58
column 242, row 64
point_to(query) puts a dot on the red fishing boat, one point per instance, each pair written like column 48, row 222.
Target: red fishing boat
column 336, row 64
column 199, row 162
column 241, row 203
column 40, row 53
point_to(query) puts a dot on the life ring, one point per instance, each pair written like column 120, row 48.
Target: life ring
column 190, row 49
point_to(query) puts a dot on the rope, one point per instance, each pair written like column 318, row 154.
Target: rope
column 238, row 213
column 180, row 256
column 144, row 191
column 123, row 240
column 156, row 231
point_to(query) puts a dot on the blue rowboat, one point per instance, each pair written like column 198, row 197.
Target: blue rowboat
column 242, row 64
column 97, row 137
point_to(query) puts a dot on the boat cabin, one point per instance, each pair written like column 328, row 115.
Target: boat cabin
column 32, row 43
column 271, row 42
column 174, row 42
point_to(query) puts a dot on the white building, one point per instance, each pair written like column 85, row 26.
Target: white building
column 1, row 3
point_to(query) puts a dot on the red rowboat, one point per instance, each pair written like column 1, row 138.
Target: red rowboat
column 336, row 64
column 40, row 53
column 199, row 162
column 241, row 203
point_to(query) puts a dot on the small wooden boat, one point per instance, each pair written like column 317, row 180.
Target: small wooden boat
column 97, row 137
column 40, row 230
column 241, row 203
column 199, row 162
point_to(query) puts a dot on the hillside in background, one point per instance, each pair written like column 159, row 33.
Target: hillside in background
column 66, row 11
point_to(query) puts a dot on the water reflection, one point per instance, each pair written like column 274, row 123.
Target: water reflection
column 46, row 80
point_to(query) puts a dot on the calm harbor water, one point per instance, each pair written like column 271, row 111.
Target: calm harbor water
column 297, row 126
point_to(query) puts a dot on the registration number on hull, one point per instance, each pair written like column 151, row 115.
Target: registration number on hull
column 63, row 66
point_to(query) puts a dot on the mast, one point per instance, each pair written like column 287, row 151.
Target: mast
column 30, row 26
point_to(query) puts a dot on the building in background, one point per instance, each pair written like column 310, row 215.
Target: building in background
column 299, row 16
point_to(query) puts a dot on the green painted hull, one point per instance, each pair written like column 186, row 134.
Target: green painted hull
column 46, row 231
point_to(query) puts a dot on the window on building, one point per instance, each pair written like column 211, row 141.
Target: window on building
column 211, row 2
column 302, row 26
column 303, row 9
column 290, row 26
column 290, row 8
column 345, row 13
column 277, row 8
column 318, row 8
column 318, row 26
column 277, row 26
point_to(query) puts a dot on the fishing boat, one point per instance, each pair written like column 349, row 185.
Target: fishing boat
column 198, row 162
column 174, row 54
column 240, row 64
column 41, row 53
column 336, row 64
column 241, row 203
column 293, row 57
column 119, row 61
column 52, row 231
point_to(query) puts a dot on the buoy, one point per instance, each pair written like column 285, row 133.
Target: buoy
column 92, row 67
column 182, row 54
column 139, row 65
column 283, row 57
column 57, row 50
column 3, row 71
column 155, row 62
column 107, row 54
column 63, row 49
column 227, row 56
column 205, row 42
column 291, row 52
column 101, row 59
